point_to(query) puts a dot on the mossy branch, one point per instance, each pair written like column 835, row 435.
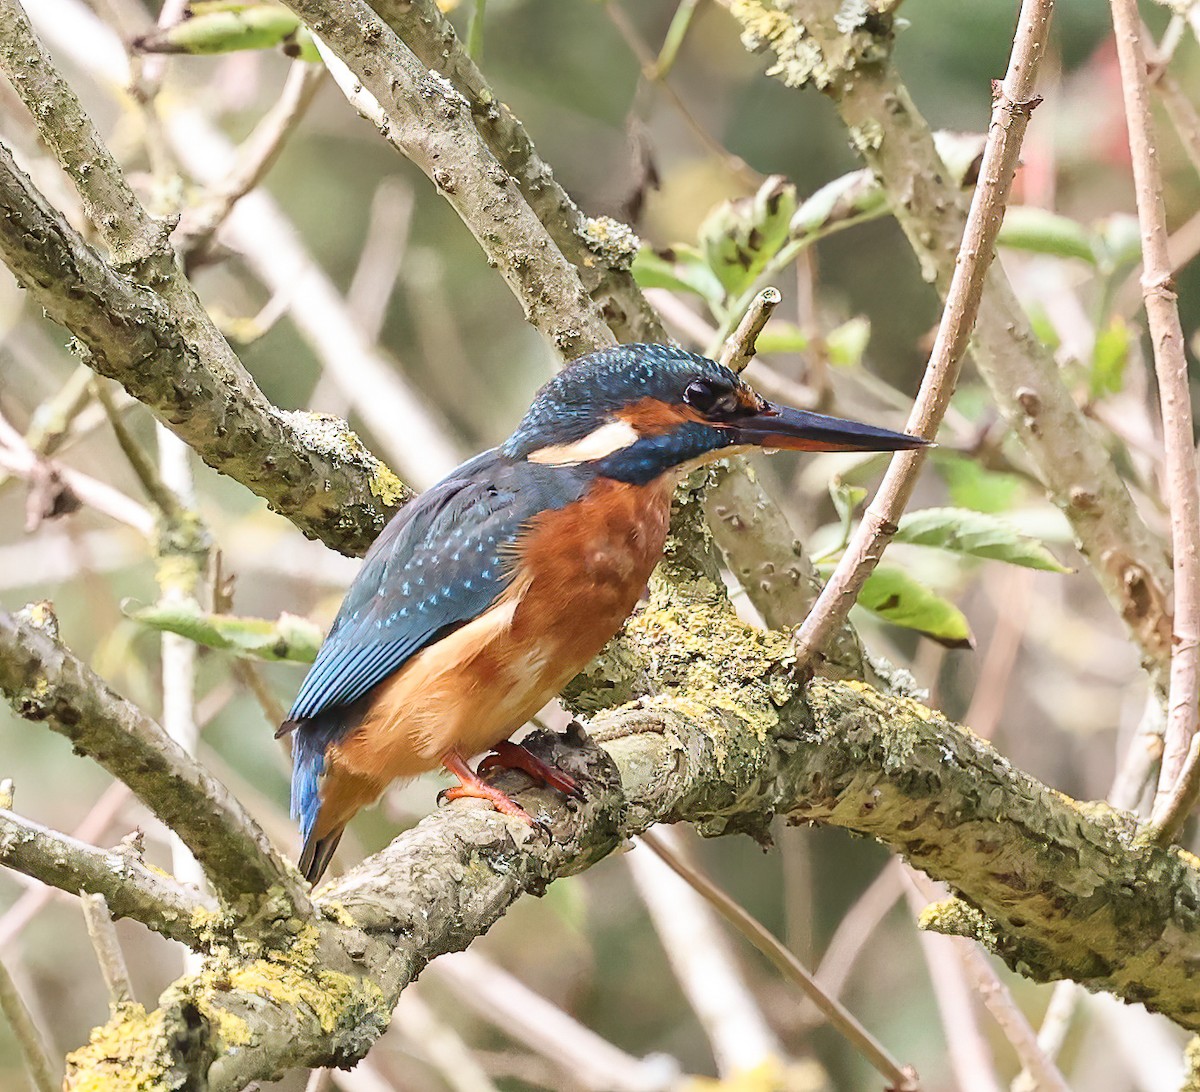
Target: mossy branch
column 728, row 742
column 44, row 682
column 310, row 467
column 131, row 889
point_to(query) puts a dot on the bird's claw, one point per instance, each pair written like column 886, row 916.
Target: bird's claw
column 512, row 756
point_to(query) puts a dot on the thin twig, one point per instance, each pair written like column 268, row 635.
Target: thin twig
column 108, row 948
column 48, row 684
column 739, row 1036
column 901, row 1077
column 437, row 1042
column 133, row 890
column 967, row 1050
column 1014, row 102
column 738, row 350
column 429, row 121
column 528, row 1018
column 255, row 157
column 1179, row 778
column 29, row 1037
column 1053, row 1033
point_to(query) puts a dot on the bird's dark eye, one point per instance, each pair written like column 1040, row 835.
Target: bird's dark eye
column 712, row 399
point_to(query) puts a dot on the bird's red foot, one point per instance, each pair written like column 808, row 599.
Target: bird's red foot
column 471, row 785
column 507, row 755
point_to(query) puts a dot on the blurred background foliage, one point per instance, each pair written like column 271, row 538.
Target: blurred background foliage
column 1050, row 678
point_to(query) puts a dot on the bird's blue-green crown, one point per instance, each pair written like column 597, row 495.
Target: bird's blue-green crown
column 595, row 387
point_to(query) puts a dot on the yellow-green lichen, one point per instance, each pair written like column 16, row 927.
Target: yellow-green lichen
column 128, row 1054
column 765, row 26
column 614, row 241
column 954, row 918
column 386, row 485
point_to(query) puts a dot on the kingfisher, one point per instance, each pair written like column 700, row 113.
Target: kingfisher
column 483, row 597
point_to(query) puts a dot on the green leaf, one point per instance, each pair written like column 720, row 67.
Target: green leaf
column 855, row 197
column 974, row 486
column 846, row 498
column 739, row 237
column 976, row 534
column 287, row 638
column 1027, row 227
column 680, row 269
column 782, row 337
column 1110, row 354
column 224, row 28
column 898, row 598
column 847, row 343
column 1118, row 242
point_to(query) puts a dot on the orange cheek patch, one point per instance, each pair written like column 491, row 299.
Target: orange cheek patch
column 650, row 417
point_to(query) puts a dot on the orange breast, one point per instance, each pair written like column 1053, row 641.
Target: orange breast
column 580, row 571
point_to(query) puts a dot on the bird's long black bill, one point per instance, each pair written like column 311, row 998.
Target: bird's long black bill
column 798, row 430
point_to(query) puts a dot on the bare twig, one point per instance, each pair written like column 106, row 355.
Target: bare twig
column 45, row 682
column 1179, row 779
column 92, row 829
column 108, row 948
column 967, row 1048
column 1053, row 1033
column 314, row 468
column 857, row 926
column 429, row 121
column 29, row 1037
column 528, row 1018
column 403, row 423
column 999, row 1002
column 699, row 954
column 431, row 1038
column 901, row 1077
column 18, row 458
column 738, row 350
column 599, row 250
column 1014, row 102
column 132, row 889
column 255, row 158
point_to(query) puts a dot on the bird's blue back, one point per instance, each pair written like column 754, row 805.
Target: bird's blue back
column 443, row 560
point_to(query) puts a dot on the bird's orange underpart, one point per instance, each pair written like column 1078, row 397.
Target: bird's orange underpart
column 507, row 755
column 579, row 572
column 471, row 785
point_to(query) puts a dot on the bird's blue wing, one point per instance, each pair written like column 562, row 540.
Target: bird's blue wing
column 437, row 565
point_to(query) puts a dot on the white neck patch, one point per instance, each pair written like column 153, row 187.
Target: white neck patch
column 607, row 439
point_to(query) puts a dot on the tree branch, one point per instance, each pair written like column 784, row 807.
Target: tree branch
column 310, row 467
column 131, row 889
column 45, row 682
column 1058, row 890
column 430, row 122
column 1179, row 779
column 1014, row 103
column 600, row 250
column 852, row 67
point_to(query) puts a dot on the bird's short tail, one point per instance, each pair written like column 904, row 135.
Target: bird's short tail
column 308, row 764
column 317, row 853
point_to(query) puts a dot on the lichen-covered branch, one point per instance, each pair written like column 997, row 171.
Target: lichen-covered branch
column 599, row 249
column 812, row 43
column 131, row 889
column 1056, row 888
column 310, row 467
column 430, row 122
column 45, row 682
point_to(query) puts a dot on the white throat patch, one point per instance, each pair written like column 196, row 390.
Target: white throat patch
column 608, row 438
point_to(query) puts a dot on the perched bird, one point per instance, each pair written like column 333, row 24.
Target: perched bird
column 484, row 596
